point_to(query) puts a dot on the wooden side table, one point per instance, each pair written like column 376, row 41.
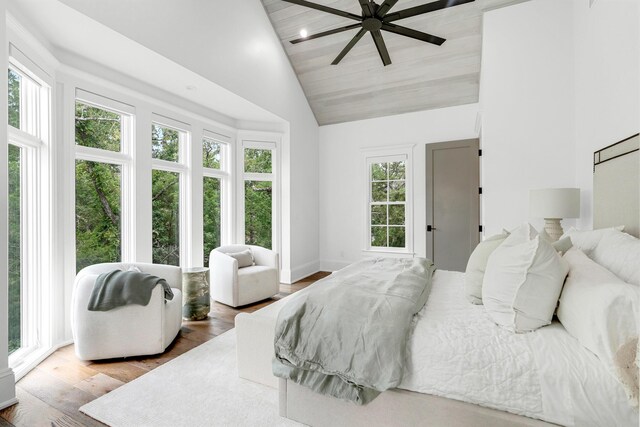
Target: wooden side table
column 195, row 293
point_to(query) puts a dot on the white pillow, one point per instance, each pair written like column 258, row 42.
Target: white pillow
column 523, row 281
column 477, row 264
column 245, row 258
column 600, row 310
column 619, row 253
column 587, row 240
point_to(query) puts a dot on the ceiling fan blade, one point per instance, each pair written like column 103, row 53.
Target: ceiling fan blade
column 326, row 33
column 349, row 46
column 384, row 8
column 325, row 9
column 382, row 47
column 425, row 8
column 368, row 9
column 408, row 32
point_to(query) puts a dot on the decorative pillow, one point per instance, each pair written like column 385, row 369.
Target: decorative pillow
column 599, row 309
column 619, row 253
column 587, row 240
column 477, row 264
column 245, row 258
column 562, row 245
column 523, row 281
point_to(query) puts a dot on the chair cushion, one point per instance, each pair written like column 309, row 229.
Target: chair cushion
column 244, row 258
column 256, row 283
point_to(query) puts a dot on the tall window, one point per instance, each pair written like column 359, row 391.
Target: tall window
column 388, row 207
column 215, row 170
column 28, row 106
column 169, row 164
column 103, row 139
column 259, row 201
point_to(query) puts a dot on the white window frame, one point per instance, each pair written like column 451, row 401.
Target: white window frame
column 33, row 138
column 382, row 155
column 123, row 158
column 182, row 167
column 226, row 188
column 263, row 141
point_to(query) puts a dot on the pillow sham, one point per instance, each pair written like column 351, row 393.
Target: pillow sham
column 477, row 264
column 523, row 280
column 587, row 240
column 600, row 310
column 245, row 258
column 619, row 253
column 561, row 245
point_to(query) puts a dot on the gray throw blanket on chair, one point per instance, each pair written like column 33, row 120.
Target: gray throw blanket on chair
column 118, row 288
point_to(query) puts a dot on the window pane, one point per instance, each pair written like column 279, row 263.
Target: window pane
column 379, row 214
column 379, row 191
column 15, row 82
column 257, row 160
column 258, row 212
column 97, row 128
column 379, row 236
column 212, row 217
column 166, row 217
column 97, row 213
column 397, row 170
column 165, row 143
column 396, row 237
column 396, row 191
column 396, row 214
column 211, row 152
column 379, row 171
column 15, row 234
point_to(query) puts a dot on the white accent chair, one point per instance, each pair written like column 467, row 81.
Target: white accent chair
column 235, row 286
column 131, row 330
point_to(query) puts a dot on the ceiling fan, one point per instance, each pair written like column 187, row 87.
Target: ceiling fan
column 376, row 18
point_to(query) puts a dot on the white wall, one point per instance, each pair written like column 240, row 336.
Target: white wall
column 527, row 102
column 607, row 83
column 342, row 186
column 237, row 48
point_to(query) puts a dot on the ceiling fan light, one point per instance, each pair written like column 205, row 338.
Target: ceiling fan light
column 303, row 33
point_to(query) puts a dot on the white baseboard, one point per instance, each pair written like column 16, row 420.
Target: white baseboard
column 7, row 388
column 295, row 274
column 333, row 265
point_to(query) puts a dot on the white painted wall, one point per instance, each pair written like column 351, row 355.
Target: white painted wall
column 237, row 48
column 527, row 100
column 607, row 83
column 342, row 185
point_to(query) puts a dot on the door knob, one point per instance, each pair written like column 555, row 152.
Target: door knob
column 430, row 228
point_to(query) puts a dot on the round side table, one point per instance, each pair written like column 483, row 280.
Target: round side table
column 195, row 293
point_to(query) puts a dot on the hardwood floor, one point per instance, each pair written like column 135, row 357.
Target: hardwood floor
column 52, row 393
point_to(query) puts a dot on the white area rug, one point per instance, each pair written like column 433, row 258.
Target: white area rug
column 198, row 388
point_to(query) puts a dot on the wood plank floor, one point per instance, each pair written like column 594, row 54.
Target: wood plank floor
column 52, row 393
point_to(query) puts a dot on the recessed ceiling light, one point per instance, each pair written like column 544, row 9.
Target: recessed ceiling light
column 303, row 33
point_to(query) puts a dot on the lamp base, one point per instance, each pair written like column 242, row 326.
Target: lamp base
column 553, row 228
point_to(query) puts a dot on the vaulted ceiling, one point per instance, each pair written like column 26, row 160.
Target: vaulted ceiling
column 421, row 76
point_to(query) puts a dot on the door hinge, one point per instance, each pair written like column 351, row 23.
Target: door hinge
column 480, row 229
column 479, row 153
column 479, row 190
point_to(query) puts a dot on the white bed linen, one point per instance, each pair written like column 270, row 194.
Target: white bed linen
column 457, row 352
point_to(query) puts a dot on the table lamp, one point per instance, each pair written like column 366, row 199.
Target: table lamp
column 554, row 204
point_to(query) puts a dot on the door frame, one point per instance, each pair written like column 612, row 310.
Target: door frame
column 475, row 222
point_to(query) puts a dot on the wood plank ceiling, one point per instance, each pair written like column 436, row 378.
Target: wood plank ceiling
column 422, row 76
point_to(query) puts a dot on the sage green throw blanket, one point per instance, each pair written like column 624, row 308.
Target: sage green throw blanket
column 118, row 288
column 346, row 335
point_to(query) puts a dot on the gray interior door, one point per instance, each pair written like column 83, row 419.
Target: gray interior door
column 453, row 202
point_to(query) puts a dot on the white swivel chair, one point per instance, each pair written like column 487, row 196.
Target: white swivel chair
column 235, row 286
column 131, row 330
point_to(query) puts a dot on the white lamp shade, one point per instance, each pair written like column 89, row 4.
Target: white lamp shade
column 555, row 203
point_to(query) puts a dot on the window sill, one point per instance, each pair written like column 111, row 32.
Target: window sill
column 402, row 253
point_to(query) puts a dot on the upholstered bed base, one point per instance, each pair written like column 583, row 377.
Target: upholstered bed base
column 392, row 408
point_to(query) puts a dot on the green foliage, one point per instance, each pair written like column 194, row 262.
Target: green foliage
column 257, row 160
column 211, row 154
column 98, row 189
column 212, row 216
column 388, row 219
column 258, row 213
column 14, row 249
column 14, row 99
column 166, row 217
column 165, row 143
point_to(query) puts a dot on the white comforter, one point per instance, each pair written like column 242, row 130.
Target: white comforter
column 457, row 352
